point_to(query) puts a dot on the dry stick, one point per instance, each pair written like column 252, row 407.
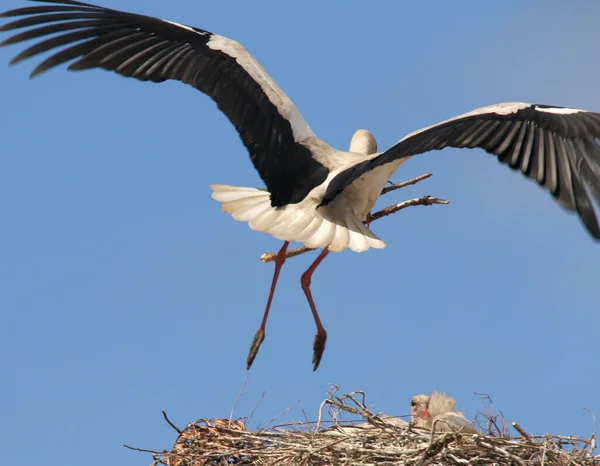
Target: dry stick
column 238, row 398
column 592, row 440
column 143, row 450
column 513, row 458
column 425, row 200
column 277, row 416
column 435, row 448
column 170, row 423
column 521, row 431
column 320, row 417
column 256, row 407
column 415, row 180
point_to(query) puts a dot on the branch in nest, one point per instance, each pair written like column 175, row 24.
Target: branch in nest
column 425, row 200
column 170, row 423
column 521, row 431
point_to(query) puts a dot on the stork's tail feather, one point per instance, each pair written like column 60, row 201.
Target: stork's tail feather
column 315, row 227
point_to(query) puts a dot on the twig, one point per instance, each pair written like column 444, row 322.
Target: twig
column 277, row 416
column 320, row 416
column 502, row 451
column 544, row 454
column 491, row 416
column 170, row 423
column 520, row 430
column 434, row 448
column 432, row 435
column 270, row 256
column 425, row 200
column 415, row 180
column 237, row 398
column 256, row 406
column 592, row 441
column 143, row 450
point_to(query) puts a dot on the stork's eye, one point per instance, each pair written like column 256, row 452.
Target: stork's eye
column 413, row 403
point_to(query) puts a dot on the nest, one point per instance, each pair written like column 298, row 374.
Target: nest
column 378, row 440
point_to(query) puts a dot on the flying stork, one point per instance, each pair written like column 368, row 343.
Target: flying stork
column 315, row 194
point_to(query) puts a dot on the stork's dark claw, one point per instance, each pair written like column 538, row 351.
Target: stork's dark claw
column 318, row 349
column 259, row 336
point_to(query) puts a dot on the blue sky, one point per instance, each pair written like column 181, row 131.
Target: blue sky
column 126, row 291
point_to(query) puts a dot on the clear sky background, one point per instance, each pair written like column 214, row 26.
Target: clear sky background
column 125, row 290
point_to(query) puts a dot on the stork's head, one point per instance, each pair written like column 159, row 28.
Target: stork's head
column 363, row 143
column 419, row 413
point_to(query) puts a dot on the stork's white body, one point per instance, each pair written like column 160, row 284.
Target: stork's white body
column 337, row 225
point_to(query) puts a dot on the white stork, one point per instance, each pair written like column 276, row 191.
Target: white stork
column 438, row 412
column 315, row 194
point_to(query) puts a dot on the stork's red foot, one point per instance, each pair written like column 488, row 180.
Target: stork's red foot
column 318, row 348
column 259, row 336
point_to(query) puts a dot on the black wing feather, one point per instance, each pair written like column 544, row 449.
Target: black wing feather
column 556, row 147
column 150, row 49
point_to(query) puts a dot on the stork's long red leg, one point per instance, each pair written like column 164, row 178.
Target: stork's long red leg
column 259, row 336
column 321, row 335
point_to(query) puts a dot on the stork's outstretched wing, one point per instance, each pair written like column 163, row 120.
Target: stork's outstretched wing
column 151, row 49
column 555, row 146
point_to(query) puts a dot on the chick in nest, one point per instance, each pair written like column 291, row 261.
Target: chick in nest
column 439, row 409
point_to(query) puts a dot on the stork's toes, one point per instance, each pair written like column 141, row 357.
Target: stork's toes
column 259, row 336
column 318, row 349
